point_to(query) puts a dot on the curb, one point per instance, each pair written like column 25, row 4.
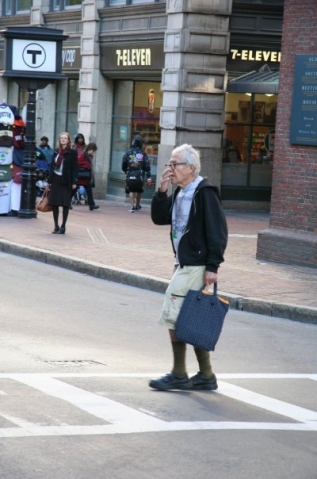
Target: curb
column 157, row 285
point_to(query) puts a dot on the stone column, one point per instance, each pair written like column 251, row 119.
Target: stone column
column 96, row 94
column 89, row 72
column 39, row 7
column 194, row 80
column 292, row 235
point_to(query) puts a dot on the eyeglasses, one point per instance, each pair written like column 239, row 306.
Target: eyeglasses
column 173, row 165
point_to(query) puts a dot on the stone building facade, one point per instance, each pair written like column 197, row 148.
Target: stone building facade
column 182, row 53
column 204, row 72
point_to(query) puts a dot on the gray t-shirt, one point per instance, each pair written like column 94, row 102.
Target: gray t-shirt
column 181, row 211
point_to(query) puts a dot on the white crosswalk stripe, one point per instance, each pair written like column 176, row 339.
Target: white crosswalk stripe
column 122, row 419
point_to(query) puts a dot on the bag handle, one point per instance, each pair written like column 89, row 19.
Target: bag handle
column 204, row 290
column 214, row 294
column 46, row 192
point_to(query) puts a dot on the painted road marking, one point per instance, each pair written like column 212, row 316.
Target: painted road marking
column 122, row 419
column 236, row 235
column 97, row 236
column 99, row 406
column 147, row 375
column 269, row 404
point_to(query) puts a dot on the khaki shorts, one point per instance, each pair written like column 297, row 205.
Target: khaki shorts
column 183, row 279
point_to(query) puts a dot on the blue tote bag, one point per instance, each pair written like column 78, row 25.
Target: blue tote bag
column 201, row 318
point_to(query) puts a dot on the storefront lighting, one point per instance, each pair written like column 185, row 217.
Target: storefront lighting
column 249, row 94
column 269, row 94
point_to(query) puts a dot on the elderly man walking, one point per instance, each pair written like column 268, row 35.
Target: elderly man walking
column 199, row 239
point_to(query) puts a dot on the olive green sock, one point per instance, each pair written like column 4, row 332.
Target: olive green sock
column 179, row 354
column 203, row 358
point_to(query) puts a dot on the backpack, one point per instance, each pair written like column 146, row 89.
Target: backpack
column 134, row 180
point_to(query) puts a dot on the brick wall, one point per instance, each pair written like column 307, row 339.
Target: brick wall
column 292, row 235
column 294, row 195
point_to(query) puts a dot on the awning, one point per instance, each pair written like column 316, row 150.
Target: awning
column 255, row 82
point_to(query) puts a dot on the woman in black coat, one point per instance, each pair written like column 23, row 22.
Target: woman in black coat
column 62, row 180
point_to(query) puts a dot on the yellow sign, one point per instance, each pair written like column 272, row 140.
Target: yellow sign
column 256, row 55
column 134, row 57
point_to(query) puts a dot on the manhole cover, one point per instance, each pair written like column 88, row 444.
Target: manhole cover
column 74, row 362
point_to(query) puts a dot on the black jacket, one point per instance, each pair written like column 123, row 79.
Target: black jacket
column 70, row 168
column 205, row 239
column 131, row 162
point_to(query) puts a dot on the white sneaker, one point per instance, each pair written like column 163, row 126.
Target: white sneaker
column 132, row 209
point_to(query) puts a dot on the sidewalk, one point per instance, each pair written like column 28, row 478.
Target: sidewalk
column 113, row 244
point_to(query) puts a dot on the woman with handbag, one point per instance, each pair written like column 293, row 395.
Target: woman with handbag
column 62, row 180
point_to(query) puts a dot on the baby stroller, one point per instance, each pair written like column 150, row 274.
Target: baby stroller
column 41, row 185
column 42, row 172
column 80, row 197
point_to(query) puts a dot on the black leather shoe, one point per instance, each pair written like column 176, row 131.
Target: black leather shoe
column 93, row 207
column 61, row 231
column 201, row 382
column 170, row 381
column 55, row 230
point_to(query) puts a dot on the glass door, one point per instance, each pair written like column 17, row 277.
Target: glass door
column 248, row 143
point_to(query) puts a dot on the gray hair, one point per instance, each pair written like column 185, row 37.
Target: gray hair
column 190, row 156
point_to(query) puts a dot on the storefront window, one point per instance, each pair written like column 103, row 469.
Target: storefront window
column 248, row 145
column 136, row 112
column 66, row 107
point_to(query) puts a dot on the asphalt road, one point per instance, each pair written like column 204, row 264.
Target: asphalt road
column 76, row 354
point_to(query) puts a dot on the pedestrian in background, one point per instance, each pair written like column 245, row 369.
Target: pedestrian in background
column 79, row 145
column 136, row 164
column 62, row 180
column 86, row 169
column 199, row 238
column 45, row 148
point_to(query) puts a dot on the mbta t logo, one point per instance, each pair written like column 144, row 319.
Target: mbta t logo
column 34, row 55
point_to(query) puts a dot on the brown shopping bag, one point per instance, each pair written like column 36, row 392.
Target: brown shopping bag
column 43, row 205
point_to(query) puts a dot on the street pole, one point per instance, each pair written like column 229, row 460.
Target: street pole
column 28, row 191
column 29, row 177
